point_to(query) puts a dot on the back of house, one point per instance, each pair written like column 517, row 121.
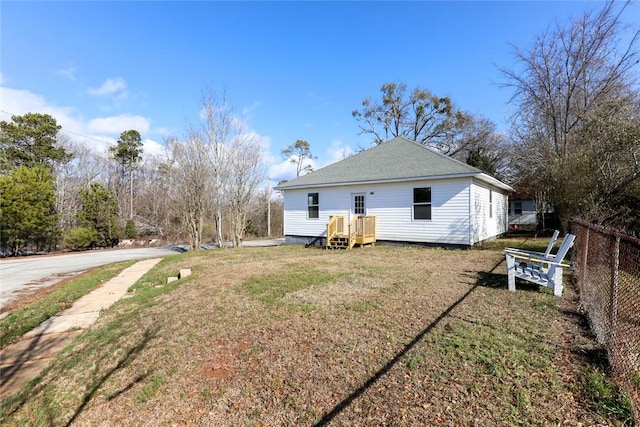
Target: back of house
column 416, row 195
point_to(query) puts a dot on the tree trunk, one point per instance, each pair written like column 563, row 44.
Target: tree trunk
column 131, row 194
column 218, row 221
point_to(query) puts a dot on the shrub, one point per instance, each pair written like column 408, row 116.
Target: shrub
column 130, row 229
column 80, row 238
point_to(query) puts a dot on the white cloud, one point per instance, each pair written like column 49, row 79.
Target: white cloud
column 68, row 73
column 150, row 148
column 283, row 170
column 286, row 169
column 263, row 141
column 115, row 125
column 153, row 148
column 338, row 151
column 98, row 144
column 164, row 132
column 248, row 110
column 116, row 86
column 19, row 102
column 97, row 134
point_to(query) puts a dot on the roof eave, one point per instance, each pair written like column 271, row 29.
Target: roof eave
column 493, row 181
column 404, row 179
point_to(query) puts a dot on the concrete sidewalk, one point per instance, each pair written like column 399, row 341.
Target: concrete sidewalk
column 24, row 360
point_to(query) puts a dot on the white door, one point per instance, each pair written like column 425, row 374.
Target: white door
column 358, row 206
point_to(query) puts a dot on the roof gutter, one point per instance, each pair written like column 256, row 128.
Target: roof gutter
column 481, row 176
column 491, row 180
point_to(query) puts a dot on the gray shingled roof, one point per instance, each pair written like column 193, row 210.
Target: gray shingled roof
column 393, row 160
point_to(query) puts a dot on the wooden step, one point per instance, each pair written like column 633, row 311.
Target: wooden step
column 339, row 242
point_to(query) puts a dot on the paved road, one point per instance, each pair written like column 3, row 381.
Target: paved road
column 21, row 276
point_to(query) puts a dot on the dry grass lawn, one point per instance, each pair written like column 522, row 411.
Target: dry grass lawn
column 295, row 336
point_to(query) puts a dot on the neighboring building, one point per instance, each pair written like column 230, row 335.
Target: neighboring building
column 416, row 194
column 522, row 214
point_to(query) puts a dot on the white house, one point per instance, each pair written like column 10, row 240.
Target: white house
column 416, row 195
column 522, row 214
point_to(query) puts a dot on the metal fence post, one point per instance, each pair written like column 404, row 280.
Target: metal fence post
column 615, row 264
column 612, row 301
column 585, row 254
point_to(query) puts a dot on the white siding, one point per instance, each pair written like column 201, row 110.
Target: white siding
column 392, row 204
column 334, row 201
column 488, row 219
column 528, row 216
column 503, row 226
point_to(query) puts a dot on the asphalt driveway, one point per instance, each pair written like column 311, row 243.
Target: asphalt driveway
column 22, row 276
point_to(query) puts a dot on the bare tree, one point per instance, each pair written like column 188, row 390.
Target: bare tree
column 568, row 73
column 154, row 208
column 235, row 165
column 84, row 168
column 246, row 172
column 430, row 120
column 218, row 127
column 419, row 116
column 190, row 184
column 560, row 84
column 299, row 154
column 216, row 169
column 266, row 213
column 479, row 144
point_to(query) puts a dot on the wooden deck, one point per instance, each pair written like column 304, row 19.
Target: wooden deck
column 360, row 231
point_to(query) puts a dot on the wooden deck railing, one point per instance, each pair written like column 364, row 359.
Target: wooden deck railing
column 360, row 231
column 365, row 230
column 353, row 231
column 369, row 228
column 335, row 227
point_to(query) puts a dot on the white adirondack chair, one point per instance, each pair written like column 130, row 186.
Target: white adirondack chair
column 545, row 269
column 547, row 253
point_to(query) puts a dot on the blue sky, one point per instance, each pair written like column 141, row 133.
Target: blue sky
column 292, row 70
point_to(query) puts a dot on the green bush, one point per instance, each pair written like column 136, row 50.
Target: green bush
column 80, row 238
column 130, row 229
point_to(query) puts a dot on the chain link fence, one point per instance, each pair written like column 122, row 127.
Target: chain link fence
column 607, row 267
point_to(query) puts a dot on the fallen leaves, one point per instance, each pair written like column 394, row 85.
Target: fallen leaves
column 369, row 351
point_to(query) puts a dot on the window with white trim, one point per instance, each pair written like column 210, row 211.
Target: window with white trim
column 313, row 211
column 422, row 203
